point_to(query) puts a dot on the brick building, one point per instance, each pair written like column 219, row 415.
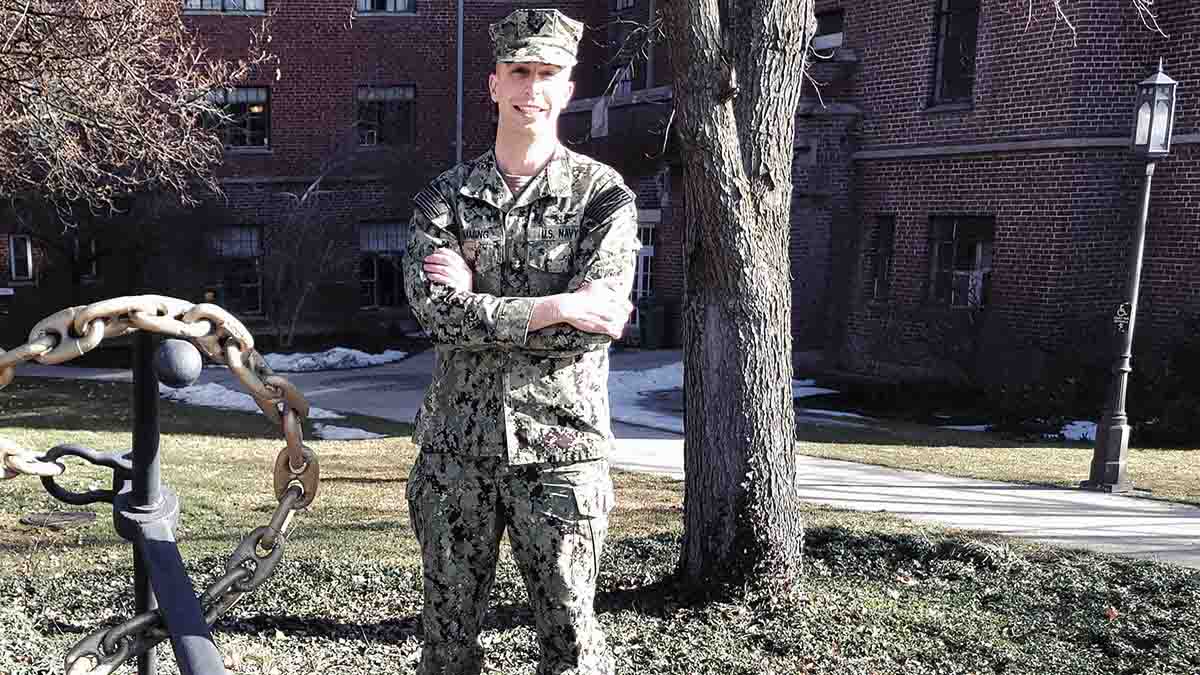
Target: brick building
column 982, row 190
column 964, row 194
column 366, row 97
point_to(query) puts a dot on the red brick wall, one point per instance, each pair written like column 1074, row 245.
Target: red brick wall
column 1064, row 223
column 821, row 209
column 1063, row 217
column 323, row 56
column 1030, row 83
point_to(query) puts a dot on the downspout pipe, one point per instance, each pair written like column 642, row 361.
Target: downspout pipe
column 458, row 143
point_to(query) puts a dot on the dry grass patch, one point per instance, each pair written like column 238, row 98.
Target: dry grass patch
column 881, row 596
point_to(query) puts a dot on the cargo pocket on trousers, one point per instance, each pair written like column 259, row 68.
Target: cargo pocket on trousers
column 581, row 511
column 572, row 503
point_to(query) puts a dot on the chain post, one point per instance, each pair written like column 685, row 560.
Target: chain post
column 145, row 512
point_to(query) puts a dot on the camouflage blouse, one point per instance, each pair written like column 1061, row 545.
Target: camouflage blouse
column 499, row 389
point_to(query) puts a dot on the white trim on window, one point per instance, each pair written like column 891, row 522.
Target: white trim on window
column 376, row 7
column 224, row 6
column 24, row 243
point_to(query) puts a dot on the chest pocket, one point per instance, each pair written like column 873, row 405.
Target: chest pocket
column 552, row 244
column 551, row 256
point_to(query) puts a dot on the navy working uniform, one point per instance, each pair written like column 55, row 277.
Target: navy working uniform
column 514, row 430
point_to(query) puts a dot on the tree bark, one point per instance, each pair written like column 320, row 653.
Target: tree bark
column 739, row 66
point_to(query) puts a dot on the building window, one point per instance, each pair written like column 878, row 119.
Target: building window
column 621, row 5
column 224, row 5
column 20, row 257
column 249, row 110
column 829, row 30
column 957, row 30
column 882, row 245
column 87, row 259
column 386, row 6
column 643, row 276
column 238, row 251
column 381, row 281
column 961, row 260
column 387, row 116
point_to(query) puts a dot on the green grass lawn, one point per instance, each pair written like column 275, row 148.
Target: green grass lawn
column 881, row 595
column 1170, row 474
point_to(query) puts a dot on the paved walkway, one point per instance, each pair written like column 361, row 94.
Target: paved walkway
column 1124, row 525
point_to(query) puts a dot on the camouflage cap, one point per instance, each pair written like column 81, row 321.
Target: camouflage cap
column 537, row 35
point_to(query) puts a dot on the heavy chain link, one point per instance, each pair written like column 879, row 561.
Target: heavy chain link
column 251, row 564
column 75, row 331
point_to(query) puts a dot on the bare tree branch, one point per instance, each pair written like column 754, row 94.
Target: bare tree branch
column 100, row 98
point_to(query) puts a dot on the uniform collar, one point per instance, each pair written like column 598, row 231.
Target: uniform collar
column 485, row 183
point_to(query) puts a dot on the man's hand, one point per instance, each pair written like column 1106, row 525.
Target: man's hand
column 595, row 308
column 445, row 266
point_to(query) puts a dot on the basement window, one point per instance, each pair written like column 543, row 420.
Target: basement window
column 224, row 5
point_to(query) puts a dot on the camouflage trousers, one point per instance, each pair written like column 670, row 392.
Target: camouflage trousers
column 556, row 516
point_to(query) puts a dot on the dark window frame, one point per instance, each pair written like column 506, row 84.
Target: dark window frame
column 225, row 6
column 375, row 259
column 31, row 269
column 883, row 247
column 232, row 265
column 369, row 7
column 371, row 116
column 961, row 251
column 951, row 17
column 239, row 133
column 87, row 246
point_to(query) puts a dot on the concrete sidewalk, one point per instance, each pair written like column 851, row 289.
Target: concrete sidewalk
column 1116, row 524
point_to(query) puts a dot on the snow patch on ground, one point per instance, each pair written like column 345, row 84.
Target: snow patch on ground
column 331, row 433
column 1079, row 430
column 213, row 395
column 628, row 391
column 338, row 358
column 627, row 401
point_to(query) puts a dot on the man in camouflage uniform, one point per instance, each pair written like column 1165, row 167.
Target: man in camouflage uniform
column 520, row 266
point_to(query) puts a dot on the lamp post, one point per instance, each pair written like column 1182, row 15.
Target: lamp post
column 1154, row 119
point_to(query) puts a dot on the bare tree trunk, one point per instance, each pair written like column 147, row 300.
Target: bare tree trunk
column 738, row 72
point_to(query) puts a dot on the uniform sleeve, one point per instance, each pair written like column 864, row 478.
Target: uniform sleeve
column 607, row 252
column 462, row 319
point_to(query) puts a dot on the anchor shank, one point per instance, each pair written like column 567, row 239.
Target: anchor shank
column 190, row 638
column 144, row 600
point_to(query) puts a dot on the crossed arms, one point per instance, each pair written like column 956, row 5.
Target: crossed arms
column 594, row 310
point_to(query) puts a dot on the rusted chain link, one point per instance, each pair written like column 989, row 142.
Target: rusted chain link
column 75, row 331
column 18, row 461
column 251, row 564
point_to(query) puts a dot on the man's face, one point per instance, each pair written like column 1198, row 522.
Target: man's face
column 531, row 95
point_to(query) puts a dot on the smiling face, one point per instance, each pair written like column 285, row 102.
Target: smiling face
column 530, row 96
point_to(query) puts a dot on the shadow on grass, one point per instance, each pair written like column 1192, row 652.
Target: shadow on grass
column 388, row 631
column 361, row 481
column 1047, row 604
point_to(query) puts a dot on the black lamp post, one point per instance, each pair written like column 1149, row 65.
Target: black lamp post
column 1154, row 119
